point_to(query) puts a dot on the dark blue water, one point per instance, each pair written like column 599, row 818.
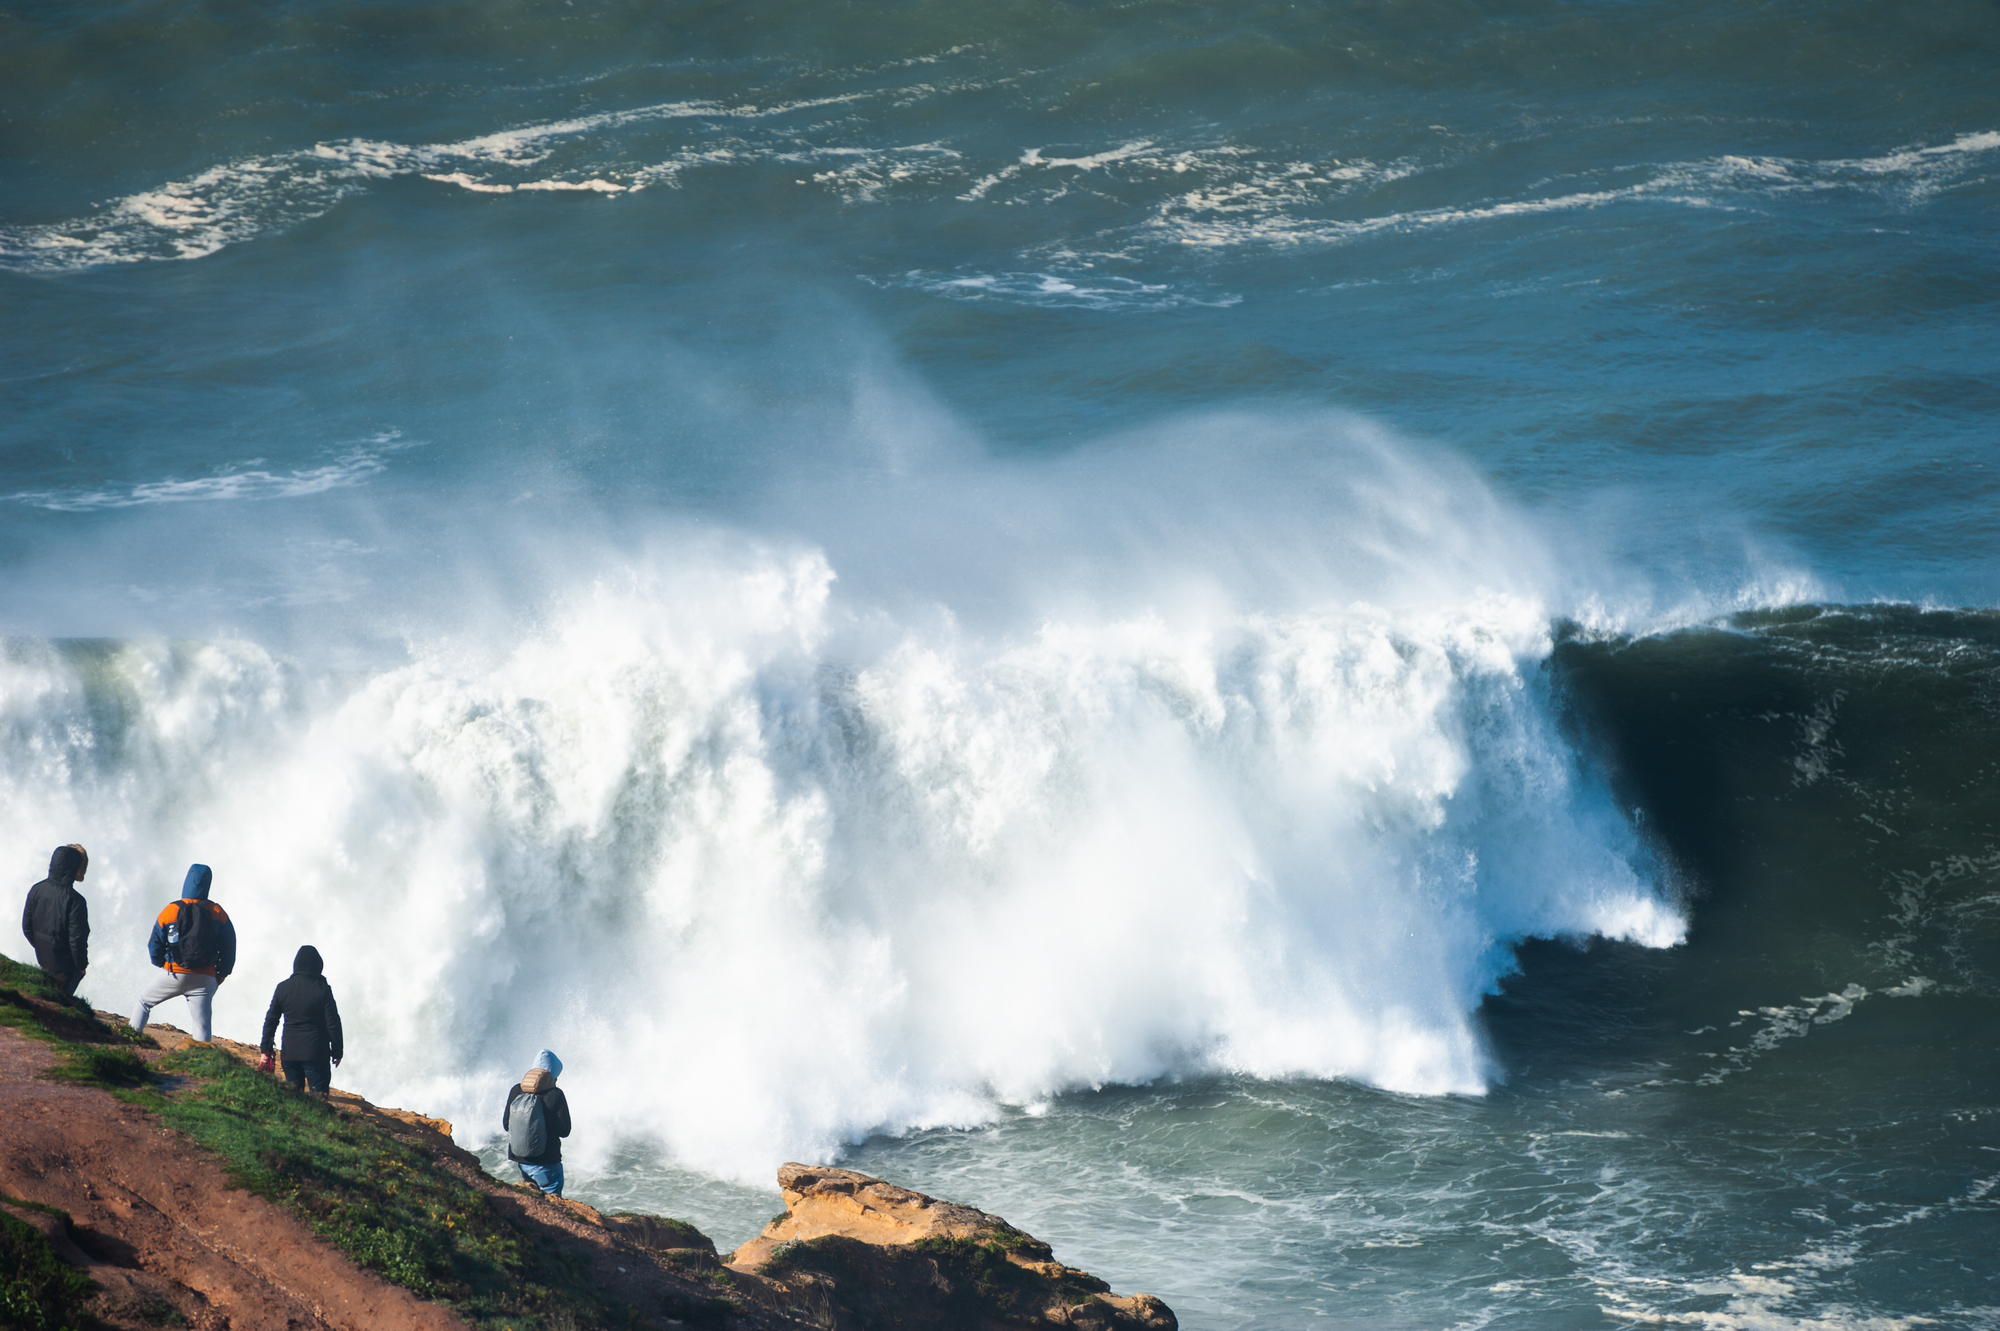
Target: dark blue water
column 1340, row 656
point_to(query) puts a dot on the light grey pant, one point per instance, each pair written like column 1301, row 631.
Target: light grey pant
column 200, row 991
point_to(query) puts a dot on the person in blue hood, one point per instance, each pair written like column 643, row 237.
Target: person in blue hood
column 536, row 1119
column 194, row 943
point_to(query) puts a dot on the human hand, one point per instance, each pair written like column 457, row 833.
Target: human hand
column 336, row 1062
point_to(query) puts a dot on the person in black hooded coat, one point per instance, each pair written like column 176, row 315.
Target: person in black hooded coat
column 313, row 1046
column 56, row 919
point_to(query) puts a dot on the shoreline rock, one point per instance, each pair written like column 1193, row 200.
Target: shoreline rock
column 857, row 1251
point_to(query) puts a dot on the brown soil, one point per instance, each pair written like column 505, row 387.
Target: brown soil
column 157, row 1223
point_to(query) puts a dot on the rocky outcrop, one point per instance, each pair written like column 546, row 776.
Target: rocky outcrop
column 854, row 1252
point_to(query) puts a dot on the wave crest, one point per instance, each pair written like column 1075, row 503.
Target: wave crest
column 767, row 900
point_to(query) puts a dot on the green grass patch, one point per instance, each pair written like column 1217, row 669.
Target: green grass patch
column 22, row 978
column 23, row 1204
column 383, row 1202
column 375, row 1198
column 34, row 980
column 92, row 1051
column 38, row 1290
column 19, row 1013
column 118, row 1068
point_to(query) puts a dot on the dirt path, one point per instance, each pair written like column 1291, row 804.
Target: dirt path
column 159, row 1224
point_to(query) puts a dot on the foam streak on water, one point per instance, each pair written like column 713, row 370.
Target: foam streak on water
column 1203, row 194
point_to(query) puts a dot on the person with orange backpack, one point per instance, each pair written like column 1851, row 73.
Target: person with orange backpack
column 195, row 944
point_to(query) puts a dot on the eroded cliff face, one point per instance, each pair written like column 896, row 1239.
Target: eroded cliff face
column 857, row 1252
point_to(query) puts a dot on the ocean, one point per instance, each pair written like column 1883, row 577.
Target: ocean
column 1343, row 657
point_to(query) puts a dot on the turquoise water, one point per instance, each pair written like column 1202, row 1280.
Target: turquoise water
column 1340, row 656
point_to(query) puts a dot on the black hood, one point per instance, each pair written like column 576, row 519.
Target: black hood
column 307, row 962
column 64, row 864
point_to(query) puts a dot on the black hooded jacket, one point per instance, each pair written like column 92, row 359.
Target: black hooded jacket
column 56, row 919
column 312, row 1021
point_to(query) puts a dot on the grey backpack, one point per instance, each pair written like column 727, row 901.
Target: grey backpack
column 527, row 1127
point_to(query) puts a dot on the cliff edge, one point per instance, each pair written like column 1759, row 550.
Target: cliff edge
column 148, row 1181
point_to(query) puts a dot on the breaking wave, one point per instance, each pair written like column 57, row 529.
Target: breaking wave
column 775, row 868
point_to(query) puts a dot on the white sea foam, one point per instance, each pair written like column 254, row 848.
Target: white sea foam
column 1243, row 197
column 1090, row 161
column 1207, row 194
column 594, row 185
column 1096, row 291
column 1793, row 1021
column 860, row 175
column 1788, row 1294
column 1290, row 207
column 1909, row 158
column 246, row 481
column 464, row 181
column 254, row 196
column 773, row 870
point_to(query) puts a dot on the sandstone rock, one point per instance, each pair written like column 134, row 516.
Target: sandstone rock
column 857, row 1252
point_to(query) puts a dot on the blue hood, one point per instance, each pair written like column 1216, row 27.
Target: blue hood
column 547, row 1061
column 198, row 879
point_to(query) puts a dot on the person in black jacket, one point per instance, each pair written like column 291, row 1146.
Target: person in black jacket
column 543, row 1169
column 56, row 919
column 313, row 1046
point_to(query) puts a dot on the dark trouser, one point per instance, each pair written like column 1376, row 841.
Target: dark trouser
column 314, row 1074
column 58, row 969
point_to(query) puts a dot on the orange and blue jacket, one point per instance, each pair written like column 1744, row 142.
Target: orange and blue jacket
column 160, row 947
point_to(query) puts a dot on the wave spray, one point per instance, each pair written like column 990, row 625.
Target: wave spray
column 777, row 860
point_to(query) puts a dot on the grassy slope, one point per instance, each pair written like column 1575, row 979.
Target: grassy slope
column 379, row 1200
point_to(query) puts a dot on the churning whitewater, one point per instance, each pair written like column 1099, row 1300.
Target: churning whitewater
column 845, row 895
